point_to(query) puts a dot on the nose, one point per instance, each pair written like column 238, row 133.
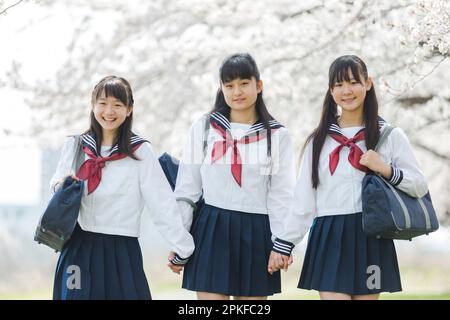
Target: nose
column 237, row 91
column 109, row 109
column 346, row 89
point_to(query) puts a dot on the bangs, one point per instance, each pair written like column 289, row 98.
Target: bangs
column 237, row 68
column 114, row 89
column 340, row 71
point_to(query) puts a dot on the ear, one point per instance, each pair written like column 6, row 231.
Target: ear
column 369, row 83
column 129, row 111
column 259, row 86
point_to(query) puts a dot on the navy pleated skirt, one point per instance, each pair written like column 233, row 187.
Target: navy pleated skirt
column 232, row 250
column 107, row 267
column 341, row 258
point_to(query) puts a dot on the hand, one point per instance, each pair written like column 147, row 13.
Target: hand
column 175, row 268
column 374, row 162
column 278, row 261
column 59, row 184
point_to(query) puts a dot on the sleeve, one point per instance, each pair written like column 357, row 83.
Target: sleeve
column 159, row 198
column 64, row 167
column 188, row 188
column 302, row 210
column 406, row 174
column 281, row 184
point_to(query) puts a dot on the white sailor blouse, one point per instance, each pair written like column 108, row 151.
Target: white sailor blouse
column 339, row 189
column 234, row 171
column 114, row 205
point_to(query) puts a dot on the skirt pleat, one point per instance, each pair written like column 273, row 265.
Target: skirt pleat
column 341, row 258
column 231, row 254
column 110, row 267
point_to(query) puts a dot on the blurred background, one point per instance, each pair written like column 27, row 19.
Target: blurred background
column 53, row 53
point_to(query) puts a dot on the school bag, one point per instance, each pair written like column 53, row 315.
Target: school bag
column 170, row 166
column 390, row 213
column 58, row 221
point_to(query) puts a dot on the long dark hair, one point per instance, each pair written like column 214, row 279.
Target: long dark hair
column 243, row 66
column 120, row 89
column 338, row 72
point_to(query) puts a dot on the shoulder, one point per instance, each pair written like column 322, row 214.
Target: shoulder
column 69, row 143
column 398, row 135
column 201, row 121
column 145, row 151
column 198, row 127
column 282, row 134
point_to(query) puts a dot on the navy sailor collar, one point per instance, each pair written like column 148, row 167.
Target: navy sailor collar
column 223, row 122
column 334, row 127
column 89, row 142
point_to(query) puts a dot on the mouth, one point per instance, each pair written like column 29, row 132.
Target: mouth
column 109, row 120
column 347, row 100
column 239, row 100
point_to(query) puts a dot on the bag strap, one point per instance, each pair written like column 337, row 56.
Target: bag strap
column 383, row 136
column 205, row 134
column 78, row 158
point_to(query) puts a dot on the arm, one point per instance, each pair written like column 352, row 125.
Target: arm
column 302, row 210
column 159, row 198
column 189, row 181
column 407, row 175
column 403, row 171
column 64, row 167
column 281, row 186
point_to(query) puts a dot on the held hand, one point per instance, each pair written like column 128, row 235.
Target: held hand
column 374, row 162
column 278, row 261
column 175, row 268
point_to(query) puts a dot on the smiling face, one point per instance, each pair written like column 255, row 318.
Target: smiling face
column 350, row 92
column 110, row 112
column 241, row 94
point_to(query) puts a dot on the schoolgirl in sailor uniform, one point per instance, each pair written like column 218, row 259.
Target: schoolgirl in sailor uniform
column 246, row 177
column 122, row 175
column 327, row 195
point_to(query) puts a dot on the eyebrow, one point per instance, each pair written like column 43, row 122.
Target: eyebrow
column 115, row 99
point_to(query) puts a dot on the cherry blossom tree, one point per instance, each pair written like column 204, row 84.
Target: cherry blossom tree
column 171, row 51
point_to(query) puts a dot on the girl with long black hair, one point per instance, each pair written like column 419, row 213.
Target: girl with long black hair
column 122, row 175
column 246, row 176
column 340, row 258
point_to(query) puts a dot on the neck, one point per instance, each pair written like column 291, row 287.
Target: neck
column 351, row 119
column 108, row 137
column 247, row 116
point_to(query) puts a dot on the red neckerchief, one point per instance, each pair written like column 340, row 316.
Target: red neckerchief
column 91, row 169
column 355, row 152
column 222, row 125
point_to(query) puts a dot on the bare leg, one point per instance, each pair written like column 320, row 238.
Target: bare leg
column 366, row 297
column 211, row 296
column 327, row 295
column 249, row 298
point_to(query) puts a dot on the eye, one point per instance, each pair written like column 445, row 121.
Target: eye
column 338, row 84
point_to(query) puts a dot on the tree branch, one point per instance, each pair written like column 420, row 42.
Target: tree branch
column 433, row 152
column 397, row 97
column 331, row 40
column 7, row 8
column 285, row 17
